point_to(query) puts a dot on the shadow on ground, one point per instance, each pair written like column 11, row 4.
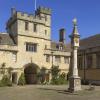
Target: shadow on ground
column 59, row 91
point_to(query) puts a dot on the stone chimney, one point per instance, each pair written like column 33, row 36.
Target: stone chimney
column 62, row 35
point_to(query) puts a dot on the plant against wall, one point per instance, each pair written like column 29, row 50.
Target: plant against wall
column 57, row 77
column 9, row 71
column 62, row 78
column 55, row 74
column 6, row 78
column 21, row 80
column 5, row 81
column 43, row 74
column 3, row 68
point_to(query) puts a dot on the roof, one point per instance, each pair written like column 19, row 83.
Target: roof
column 55, row 46
column 6, row 39
column 90, row 42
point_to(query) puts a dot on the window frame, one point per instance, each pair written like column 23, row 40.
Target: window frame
column 46, row 18
column 98, row 60
column 31, row 47
column 26, row 26
column 48, row 58
column 46, row 32
column 34, row 27
column 80, row 62
column 89, row 60
column 14, row 56
column 58, row 59
column 66, row 60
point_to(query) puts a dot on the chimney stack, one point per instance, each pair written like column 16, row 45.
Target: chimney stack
column 62, row 35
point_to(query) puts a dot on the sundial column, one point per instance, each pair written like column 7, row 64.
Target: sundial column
column 74, row 79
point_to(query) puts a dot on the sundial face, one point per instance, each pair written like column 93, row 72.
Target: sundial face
column 76, row 40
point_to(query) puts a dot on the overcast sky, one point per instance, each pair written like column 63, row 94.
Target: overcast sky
column 63, row 11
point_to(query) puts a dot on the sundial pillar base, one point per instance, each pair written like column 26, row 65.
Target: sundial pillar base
column 74, row 84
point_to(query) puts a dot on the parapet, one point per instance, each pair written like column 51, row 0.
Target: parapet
column 44, row 10
column 25, row 16
column 28, row 17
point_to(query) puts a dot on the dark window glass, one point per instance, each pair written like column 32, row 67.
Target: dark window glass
column 57, row 59
column 0, row 40
column 45, row 46
column 26, row 25
column 31, row 47
column 35, row 28
column 47, row 58
column 98, row 60
column 89, row 61
column 45, row 18
column 45, row 32
column 66, row 60
column 80, row 62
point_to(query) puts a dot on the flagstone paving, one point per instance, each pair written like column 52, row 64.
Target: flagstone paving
column 47, row 92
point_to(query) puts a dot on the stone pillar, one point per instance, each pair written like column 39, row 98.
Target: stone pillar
column 75, row 70
column 74, row 79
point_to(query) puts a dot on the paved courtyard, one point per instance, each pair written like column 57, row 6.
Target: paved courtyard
column 46, row 92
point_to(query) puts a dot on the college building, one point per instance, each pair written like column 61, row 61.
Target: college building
column 27, row 46
column 89, row 59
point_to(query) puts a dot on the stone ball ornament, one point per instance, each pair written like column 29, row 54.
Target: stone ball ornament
column 75, row 21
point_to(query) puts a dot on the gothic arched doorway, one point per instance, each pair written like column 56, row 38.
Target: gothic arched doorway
column 30, row 72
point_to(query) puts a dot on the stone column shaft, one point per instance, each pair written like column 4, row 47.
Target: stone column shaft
column 75, row 70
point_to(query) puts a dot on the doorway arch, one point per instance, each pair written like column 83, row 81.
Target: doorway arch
column 31, row 71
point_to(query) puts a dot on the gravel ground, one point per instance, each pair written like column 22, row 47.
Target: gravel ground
column 47, row 92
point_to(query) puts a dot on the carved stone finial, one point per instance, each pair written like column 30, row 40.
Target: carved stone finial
column 75, row 21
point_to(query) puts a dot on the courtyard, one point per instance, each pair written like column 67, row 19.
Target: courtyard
column 47, row 92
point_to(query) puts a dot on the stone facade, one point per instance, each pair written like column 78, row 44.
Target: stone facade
column 28, row 41
column 89, row 59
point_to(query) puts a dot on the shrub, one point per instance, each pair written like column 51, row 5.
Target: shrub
column 55, row 72
column 62, row 79
column 21, row 80
column 3, row 68
column 42, row 75
column 5, row 81
column 59, row 80
column 54, row 81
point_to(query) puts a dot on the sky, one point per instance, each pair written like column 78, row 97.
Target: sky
column 87, row 13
